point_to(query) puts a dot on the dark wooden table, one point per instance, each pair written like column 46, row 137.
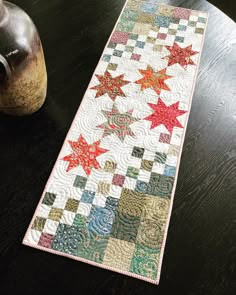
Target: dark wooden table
column 200, row 255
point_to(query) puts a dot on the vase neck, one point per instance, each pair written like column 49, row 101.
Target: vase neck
column 2, row 10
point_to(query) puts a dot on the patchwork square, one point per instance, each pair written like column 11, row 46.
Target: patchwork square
column 146, row 165
column 117, row 53
column 182, row 13
column 103, row 187
column 123, row 250
column 49, row 199
column 87, row 196
column 55, row 214
column 138, row 152
column 45, row 240
column 120, row 37
column 144, row 260
column 161, row 36
column 162, row 21
column 80, row 181
column 165, row 10
column 112, row 67
column 106, row 57
column 39, row 223
column 125, row 26
column 118, row 180
column 135, row 56
column 160, row 157
column 72, row 205
column 165, row 138
column 125, row 227
column 132, row 172
column 101, row 220
column 110, row 166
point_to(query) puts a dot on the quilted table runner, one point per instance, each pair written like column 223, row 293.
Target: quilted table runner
column 108, row 200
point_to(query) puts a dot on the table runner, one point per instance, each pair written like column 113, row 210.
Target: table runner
column 109, row 197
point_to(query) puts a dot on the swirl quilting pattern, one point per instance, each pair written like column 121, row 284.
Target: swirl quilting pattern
column 109, row 198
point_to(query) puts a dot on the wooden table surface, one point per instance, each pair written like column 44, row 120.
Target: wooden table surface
column 200, row 255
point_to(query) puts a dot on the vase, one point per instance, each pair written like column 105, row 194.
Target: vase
column 23, row 76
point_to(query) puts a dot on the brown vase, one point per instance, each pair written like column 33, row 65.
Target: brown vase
column 23, row 77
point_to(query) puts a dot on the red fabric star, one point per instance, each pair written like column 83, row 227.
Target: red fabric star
column 84, row 154
column 180, row 55
column 165, row 115
column 111, row 86
column 154, row 80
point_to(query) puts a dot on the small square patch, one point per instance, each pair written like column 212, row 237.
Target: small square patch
column 103, row 187
column 129, row 48
column 158, row 47
column 112, row 67
column 137, row 152
column 118, row 180
column 160, row 158
column 110, row 167
column 55, row 214
column 192, row 23
column 140, row 44
column 106, row 57
column 120, row 37
column 133, row 36
column 45, row 240
column 39, row 223
column 132, row 172
column 135, row 56
column 87, row 196
column 72, row 205
column 49, row 199
column 112, row 45
column 151, row 40
column 80, row 181
column 161, row 36
column 141, row 187
column 165, row 138
column 169, row 170
column 199, row 31
column 179, row 39
column 172, row 32
column 117, row 53
column 182, row 28
column 147, row 165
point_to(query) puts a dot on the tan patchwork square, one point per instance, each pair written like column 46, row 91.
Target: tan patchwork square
column 155, row 208
column 147, row 165
column 142, row 29
column 150, row 233
column 133, row 5
column 146, row 18
column 166, row 10
column 103, row 188
column 112, row 67
column 39, row 223
column 72, row 205
column 131, row 202
column 55, row 214
column 173, row 150
column 110, row 167
column 151, row 40
column 199, row 31
column 119, row 254
column 172, row 31
column 158, row 47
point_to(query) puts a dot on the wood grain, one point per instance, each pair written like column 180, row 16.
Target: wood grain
column 200, row 255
